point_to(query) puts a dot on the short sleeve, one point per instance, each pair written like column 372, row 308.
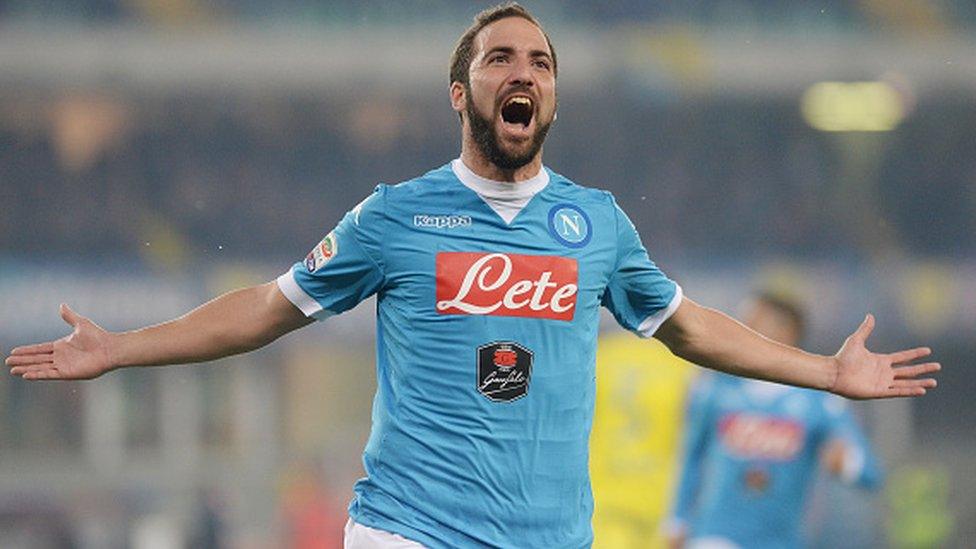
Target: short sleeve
column 638, row 294
column 345, row 267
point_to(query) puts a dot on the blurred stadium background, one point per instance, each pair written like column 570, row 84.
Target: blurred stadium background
column 155, row 153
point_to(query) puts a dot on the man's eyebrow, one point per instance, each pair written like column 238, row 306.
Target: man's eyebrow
column 500, row 49
column 510, row 50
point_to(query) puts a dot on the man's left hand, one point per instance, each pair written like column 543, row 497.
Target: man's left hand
column 862, row 374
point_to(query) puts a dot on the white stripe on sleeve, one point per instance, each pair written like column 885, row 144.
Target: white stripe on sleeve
column 295, row 294
column 653, row 322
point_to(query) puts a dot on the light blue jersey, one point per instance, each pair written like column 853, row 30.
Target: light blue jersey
column 751, row 453
column 487, row 314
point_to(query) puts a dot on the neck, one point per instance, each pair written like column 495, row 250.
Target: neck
column 479, row 164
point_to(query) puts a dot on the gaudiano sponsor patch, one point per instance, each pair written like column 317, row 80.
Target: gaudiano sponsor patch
column 504, row 371
column 322, row 253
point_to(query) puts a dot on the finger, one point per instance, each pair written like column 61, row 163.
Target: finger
column 24, row 368
column 866, row 327
column 46, row 347
column 927, row 383
column 902, row 357
column 905, row 392
column 904, row 372
column 24, row 360
column 21, row 370
column 70, row 316
column 40, row 375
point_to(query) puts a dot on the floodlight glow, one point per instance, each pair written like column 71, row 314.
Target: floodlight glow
column 852, row 107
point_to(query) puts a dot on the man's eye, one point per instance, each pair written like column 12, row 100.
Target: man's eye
column 542, row 64
column 498, row 59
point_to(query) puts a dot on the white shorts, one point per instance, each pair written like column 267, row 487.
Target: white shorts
column 358, row 536
column 711, row 543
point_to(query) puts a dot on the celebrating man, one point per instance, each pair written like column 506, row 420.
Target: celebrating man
column 489, row 273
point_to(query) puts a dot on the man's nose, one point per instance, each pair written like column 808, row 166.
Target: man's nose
column 521, row 73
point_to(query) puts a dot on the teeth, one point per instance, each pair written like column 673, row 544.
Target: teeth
column 518, row 110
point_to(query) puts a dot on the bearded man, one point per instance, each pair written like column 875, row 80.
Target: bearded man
column 489, row 274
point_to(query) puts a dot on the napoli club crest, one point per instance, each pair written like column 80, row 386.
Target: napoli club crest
column 570, row 226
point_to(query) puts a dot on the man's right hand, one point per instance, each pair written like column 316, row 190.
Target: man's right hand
column 675, row 533
column 83, row 354
column 676, row 540
column 833, row 456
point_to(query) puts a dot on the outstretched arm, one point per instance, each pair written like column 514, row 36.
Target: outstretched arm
column 714, row 340
column 236, row 322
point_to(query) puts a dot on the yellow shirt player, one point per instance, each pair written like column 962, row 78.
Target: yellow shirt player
column 636, row 439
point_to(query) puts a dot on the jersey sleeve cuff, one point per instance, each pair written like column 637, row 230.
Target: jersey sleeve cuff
column 653, row 322
column 298, row 297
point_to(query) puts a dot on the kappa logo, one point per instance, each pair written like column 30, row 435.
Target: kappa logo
column 322, row 253
column 539, row 286
column 570, row 225
column 441, row 221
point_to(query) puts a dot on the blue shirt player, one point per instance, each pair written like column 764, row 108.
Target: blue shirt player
column 753, row 448
column 489, row 274
column 488, row 303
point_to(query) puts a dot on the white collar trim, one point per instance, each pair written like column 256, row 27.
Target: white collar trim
column 500, row 190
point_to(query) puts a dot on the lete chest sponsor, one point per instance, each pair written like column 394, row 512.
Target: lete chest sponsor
column 760, row 437
column 538, row 286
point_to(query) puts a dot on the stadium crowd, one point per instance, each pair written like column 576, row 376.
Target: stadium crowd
column 742, row 178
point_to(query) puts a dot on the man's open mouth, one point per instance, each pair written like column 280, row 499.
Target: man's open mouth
column 518, row 110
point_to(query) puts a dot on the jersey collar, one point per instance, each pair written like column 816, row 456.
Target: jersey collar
column 500, row 190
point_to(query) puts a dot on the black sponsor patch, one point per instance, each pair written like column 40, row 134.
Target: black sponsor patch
column 504, row 370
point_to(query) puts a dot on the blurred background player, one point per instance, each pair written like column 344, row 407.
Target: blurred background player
column 635, row 444
column 752, row 449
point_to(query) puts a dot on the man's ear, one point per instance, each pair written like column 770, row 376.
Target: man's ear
column 459, row 97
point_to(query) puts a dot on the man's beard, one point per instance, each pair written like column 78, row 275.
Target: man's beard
column 486, row 138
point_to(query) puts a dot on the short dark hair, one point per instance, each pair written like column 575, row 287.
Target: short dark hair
column 788, row 306
column 461, row 59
